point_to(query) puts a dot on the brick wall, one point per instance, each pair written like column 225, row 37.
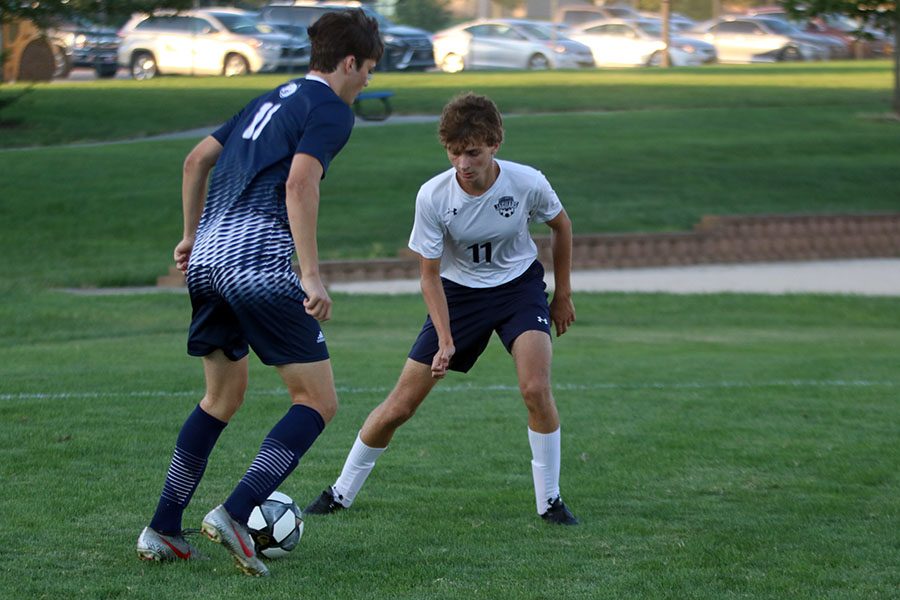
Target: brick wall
column 715, row 239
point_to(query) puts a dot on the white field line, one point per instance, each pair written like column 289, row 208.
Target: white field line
column 696, row 385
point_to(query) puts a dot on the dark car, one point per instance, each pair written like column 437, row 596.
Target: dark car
column 82, row 43
column 405, row 48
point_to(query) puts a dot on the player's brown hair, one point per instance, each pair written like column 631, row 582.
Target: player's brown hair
column 341, row 33
column 470, row 119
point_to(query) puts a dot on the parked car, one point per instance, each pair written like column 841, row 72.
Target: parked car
column 755, row 39
column 82, row 43
column 213, row 41
column 579, row 14
column 677, row 21
column 864, row 41
column 507, row 44
column 619, row 42
column 405, row 48
column 838, row 47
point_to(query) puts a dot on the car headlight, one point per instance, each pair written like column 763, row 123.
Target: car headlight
column 687, row 48
column 80, row 40
column 560, row 49
column 389, row 39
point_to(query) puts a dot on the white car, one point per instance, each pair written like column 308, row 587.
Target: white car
column 756, row 39
column 621, row 42
column 507, row 44
column 213, row 41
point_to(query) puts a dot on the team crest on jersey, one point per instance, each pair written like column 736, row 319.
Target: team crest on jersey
column 288, row 90
column 506, row 206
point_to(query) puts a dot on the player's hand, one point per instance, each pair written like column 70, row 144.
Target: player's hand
column 182, row 253
column 562, row 313
column 317, row 302
column 441, row 362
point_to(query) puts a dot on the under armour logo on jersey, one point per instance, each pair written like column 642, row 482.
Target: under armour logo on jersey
column 506, row 206
column 321, row 338
column 452, row 211
column 543, row 320
column 288, row 90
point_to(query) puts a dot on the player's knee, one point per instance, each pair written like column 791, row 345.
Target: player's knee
column 535, row 391
column 325, row 404
column 222, row 406
column 397, row 413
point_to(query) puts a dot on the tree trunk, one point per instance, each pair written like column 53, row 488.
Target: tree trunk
column 896, row 103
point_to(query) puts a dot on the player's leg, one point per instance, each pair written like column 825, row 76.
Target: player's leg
column 412, row 388
column 313, row 403
column 269, row 308
column 226, row 382
column 533, row 354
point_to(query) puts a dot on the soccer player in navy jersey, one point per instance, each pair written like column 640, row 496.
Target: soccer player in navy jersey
column 479, row 274
column 239, row 237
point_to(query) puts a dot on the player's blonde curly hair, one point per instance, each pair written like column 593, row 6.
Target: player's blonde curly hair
column 470, row 119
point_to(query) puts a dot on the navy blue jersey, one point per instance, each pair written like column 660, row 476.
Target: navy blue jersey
column 244, row 222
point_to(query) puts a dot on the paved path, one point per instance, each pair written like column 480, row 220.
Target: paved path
column 869, row 277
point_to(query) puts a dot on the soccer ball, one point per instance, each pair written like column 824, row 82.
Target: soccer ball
column 276, row 526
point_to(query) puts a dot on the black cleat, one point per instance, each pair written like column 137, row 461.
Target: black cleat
column 558, row 513
column 325, row 504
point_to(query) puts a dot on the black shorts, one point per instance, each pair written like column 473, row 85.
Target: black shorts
column 509, row 309
column 237, row 308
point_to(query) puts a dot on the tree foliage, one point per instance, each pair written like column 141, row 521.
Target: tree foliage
column 43, row 12
column 882, row 15
column 430, row 15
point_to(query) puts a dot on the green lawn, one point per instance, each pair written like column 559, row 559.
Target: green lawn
column 110, row 215
column 79, row 111
column 714, row 447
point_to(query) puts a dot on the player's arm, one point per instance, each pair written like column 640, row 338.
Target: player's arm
column 302, row 197
column 436, row 301
column 197, row 167
column 562, row 310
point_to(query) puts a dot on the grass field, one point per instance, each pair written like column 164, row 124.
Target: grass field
column 77, row 111
column 66, row 212
column 719, row 446
column 714, row 447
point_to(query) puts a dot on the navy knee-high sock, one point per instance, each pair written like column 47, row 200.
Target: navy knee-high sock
column 192, row 449
column 278, row 456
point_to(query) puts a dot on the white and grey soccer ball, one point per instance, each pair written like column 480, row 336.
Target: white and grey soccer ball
column 276, row 526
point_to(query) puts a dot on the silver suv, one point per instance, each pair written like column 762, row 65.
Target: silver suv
column 214, row 41
column 405, row 48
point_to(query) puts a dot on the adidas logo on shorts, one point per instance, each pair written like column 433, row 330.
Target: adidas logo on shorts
column 321, row 338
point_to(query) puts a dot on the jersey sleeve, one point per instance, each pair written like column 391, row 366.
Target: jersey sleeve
column 328, row 128
column 545, row 202
column 221, row 134
column 427, row 237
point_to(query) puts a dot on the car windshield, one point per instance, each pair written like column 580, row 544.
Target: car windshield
column 653, row 28
column 242, row 23
column 536, row 31
column 383, row 22
column 778, row 26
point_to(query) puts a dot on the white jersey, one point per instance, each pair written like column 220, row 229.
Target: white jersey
column 483, row 241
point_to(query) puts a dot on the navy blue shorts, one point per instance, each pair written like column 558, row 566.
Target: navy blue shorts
column 237, row 308
column 509, row 309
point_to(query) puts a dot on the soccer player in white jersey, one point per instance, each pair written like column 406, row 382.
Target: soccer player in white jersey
column 239, row 238
column 479, row 274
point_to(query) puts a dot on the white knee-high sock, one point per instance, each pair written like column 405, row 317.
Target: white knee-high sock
column 545, row 459
column 357, row 467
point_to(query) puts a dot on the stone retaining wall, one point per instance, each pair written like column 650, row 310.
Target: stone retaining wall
column 715, row 239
